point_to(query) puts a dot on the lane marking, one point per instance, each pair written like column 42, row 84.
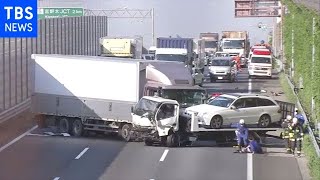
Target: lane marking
column 151, row 179
column 249, row 167
column 18, row 138
column 40, row 135
column 56, row 178
column 82, row 153
column 164, row 155
column 250, row 86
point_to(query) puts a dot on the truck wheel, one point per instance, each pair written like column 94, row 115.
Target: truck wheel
column 41, row 121
column 64, row 125
column 77, row 128
column 126, row 132
column 163, row 140
column 172, row 140
column 148, row 142
column 212, row 79
column 264, row 121
column 216, row 122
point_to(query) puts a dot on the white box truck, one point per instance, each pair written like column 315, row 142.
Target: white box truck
column 85, row 93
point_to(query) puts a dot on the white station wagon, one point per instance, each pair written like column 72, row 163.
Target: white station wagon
column 227, row 109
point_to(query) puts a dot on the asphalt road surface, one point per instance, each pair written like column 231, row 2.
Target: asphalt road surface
column 69, row 158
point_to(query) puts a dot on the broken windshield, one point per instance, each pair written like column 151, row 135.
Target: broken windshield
column 145, row 106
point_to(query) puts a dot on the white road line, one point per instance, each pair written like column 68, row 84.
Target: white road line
column 17, row 138
column 250, row 86
column 249, row 167
column 40, row 135
column 82, row 153
column 164, row 155
column 151, row 179
column 56, row 178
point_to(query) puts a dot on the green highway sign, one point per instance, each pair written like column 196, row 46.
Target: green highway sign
column 59, row 12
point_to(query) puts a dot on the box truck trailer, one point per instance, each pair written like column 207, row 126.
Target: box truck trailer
column 85, row 93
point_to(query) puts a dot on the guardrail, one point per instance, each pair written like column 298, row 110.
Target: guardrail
column 313, row 138
column 14, row 111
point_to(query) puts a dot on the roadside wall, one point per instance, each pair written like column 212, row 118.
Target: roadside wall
column 70, row 36
column 298, row 44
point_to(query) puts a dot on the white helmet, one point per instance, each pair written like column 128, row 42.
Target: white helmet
column 241, row 121
column 295, row 120
column 289, row 117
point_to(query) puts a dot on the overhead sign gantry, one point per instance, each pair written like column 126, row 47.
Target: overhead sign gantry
column 257, row 8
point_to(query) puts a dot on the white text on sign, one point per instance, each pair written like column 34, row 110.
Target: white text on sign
column 18, row 13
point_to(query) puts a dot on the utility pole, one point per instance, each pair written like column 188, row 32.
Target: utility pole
column 125, row 13
column 292, row 47
column 153, row 35
column 312, row 71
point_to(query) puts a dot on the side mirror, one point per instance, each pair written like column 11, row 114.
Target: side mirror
column 233, row 107
column 145, row 115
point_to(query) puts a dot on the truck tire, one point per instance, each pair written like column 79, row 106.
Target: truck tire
column 212, row 79
column 77, row 128
column 65, row 125
column 41, row 121
column 148, row 142
column 216, row 122
column 125, row 132
column 172, row 140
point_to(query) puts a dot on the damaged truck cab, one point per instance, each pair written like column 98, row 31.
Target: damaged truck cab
column 156, row 119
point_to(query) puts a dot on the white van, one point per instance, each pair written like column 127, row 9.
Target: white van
column 260, row 63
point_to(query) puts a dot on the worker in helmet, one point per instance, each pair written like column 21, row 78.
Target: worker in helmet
column 296, row 136
column 254, row 147
column 285, row 134
column 299, row 116
column 241, row 134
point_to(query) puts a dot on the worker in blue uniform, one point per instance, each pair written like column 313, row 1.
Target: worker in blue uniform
column 253, row 147
column 299, row 116
column 241, row 134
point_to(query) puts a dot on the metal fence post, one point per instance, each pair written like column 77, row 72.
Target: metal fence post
column 292, row 48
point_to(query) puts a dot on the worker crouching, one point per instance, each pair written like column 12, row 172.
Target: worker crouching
column 285, row 134
column 254, row 147
column 242, row 135
column 296, row 136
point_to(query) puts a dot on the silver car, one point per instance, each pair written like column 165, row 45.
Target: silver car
column 222, row 68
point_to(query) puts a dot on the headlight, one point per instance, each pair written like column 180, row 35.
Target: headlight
column 205, row 116
column 189, row 112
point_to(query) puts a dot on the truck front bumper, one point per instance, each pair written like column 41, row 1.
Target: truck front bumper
column 264, row 73
column 220, row 76
column 146, row 132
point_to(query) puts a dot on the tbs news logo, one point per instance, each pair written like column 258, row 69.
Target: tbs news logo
column 18, row 18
